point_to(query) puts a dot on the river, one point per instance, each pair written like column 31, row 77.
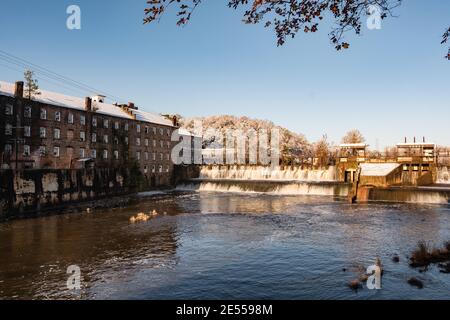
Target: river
column 212, row 245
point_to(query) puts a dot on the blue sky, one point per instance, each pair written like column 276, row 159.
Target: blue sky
column 391, row 83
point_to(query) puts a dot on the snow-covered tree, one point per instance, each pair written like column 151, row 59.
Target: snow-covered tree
column 353, row 136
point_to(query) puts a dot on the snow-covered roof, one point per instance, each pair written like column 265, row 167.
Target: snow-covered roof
column 378, row 169
column 151, row 117
column 353, row 145
column 416, row 145
column 184, row 132
column 62, row 100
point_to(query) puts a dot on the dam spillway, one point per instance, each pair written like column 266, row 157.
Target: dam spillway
column 267, row 186
column 303, row 181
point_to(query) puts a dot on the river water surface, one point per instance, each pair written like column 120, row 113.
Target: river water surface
column 224, row 246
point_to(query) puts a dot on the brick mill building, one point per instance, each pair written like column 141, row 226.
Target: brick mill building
column 62, row 132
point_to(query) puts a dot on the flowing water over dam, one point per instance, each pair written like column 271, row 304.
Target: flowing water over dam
column 224, row 246
column 268, row 173
column 302, row 181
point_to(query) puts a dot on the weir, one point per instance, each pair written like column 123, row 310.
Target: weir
column 269, row 187
column 371, row 183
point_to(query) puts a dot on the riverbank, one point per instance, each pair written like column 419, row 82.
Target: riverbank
column 29, row 193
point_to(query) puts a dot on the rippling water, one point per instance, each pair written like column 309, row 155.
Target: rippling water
column 225, row 246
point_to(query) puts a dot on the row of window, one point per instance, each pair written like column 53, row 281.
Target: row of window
column 71, row 119
column 82, row 153
column 70, row 136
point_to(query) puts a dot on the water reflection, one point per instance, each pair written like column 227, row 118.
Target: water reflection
column 219, row 245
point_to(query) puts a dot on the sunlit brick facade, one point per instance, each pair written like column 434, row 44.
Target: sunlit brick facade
column 55, row 131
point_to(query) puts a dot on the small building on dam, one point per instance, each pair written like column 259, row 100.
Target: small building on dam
column 414, row 164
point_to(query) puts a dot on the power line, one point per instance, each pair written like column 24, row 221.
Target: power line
column 43, row 79
column 47, row 75
column 9, row 58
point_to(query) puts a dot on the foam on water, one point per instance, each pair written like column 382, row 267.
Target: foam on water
column 291, row 188
column 443, row 176
column 267, row 173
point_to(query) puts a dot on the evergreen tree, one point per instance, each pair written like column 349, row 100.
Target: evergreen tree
column 31, row 85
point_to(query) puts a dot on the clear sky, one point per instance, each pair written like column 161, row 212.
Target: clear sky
column 391, row 83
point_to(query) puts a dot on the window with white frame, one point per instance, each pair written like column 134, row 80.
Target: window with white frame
column 70, row 118
column 138, row 141
column 146, row 142
column 147, row 129
column 154, row 143
column 42, row 132
column 105, row 138
column 160, row 169
column 43, row 114
column 167, row 169
column 93, row 153
column 145, row 169
column 146, row 156
column 42, row 151
column 56, row 133
column 94, row 121
column 116, row 154
column 117, row 125
column 154, row 156
column 161, row 156
column 9, row 110
column 167, row 157
column 82, row 153
column 138, row 155
column 138, row 128
column 126, row 140
column 161, row 143
column 27, row 112
column 56, row 152
column 27, row 131
column 105, row 154
column 57, row 116
column 161, row 131
column 154, row 130
column 116, row 140
column 106, row 123
column 83, row 120
column 126, row 126
column 153, row 169
column 168, row 132
column 94, row 137
column 82, row 136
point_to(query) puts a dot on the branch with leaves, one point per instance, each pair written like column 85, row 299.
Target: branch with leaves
column 289, row 17
column 445, row 37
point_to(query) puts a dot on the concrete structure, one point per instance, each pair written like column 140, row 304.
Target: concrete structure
column 380, row 174
column 415, row 162
column 419, row 161
column 27, row 192
column 56, row 131
column 349, row 157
